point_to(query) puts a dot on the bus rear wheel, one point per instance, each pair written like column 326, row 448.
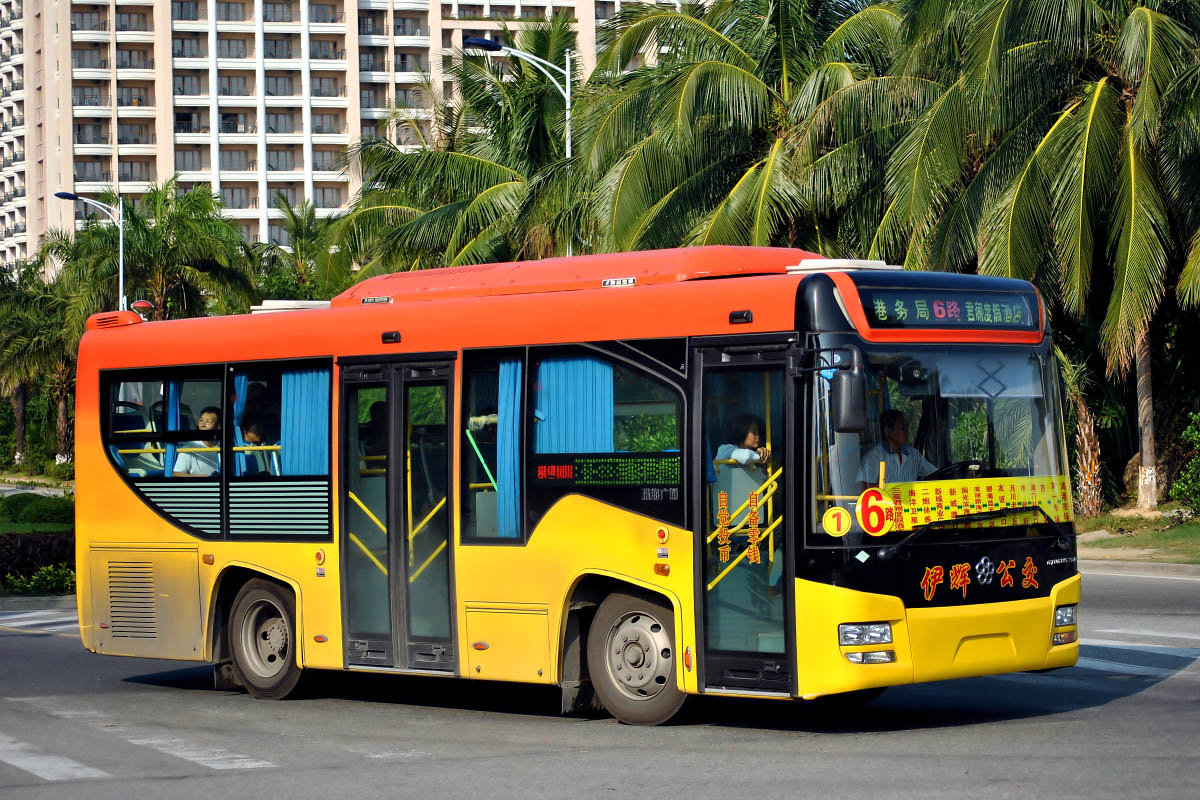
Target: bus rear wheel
column 262, row 634
column 631, row 658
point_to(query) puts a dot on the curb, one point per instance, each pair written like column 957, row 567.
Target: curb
column 37, row 603
column 1149, row 569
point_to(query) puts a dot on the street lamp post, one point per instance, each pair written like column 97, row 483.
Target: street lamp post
column 543, row 66
column 116, row 214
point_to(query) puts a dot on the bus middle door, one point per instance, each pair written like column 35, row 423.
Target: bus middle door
column 395, row 515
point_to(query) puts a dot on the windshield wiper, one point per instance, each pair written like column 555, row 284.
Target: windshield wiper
column 890, row 552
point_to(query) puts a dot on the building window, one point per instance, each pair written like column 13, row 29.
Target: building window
column 279, row 86
column 237, row 160
column 278, row 12
column 325, row 87
column 281, row 160
column 231, row 48
column 187, row 85
column 327, row 197
column 325, row 160
column 326, row 123
column 187, row 48
column 186, row 10
column 277, row 47
column 280, row 123
column 323, row 14
column 231, row 12
column 234, row 85
column 235, row 196
column 188, row 160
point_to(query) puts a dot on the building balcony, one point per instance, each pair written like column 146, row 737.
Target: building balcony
column 93, row 176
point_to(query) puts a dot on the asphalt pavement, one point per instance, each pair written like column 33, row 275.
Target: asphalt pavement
column 1124, row 722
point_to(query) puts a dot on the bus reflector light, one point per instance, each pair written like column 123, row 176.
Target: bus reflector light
column 872, row 657
column 320, row 638
column 856, row 633
column 687, row 658
column 208, row 559
column 1066, row 637
column 662, row 569
column 480, row 645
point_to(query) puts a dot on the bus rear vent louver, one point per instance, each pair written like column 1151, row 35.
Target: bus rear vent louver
column 108, row 321
column 131, row 600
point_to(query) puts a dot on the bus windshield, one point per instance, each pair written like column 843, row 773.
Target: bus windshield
column 952, row 432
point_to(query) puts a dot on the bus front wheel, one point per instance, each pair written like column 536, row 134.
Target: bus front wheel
column 262, row 632
column 631, row 658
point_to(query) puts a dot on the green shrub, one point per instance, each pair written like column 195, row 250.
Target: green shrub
column 63, row 472
column 57, row 579
column 47, row 509
column 1186, row 488
column 10, row 507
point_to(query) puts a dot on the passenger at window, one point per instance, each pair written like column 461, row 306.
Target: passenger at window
column 374, row 441
column 903, row 463
column 747, row 445
column 202, row 464
column 254, row 434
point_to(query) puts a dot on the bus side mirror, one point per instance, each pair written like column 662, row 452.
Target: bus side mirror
column 850, row 395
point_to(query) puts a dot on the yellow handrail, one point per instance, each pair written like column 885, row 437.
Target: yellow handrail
column 255, row 448
column 428, row 561
column 763, row 494
column 368, row 553
column 157, row 450
column 413, row 534
column 367, row 511
column 774, row 476
column 766, row 536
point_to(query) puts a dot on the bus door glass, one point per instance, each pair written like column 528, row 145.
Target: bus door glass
column 396, row 517
column 744, row 539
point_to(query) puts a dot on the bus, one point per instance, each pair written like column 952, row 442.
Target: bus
column 638, row 477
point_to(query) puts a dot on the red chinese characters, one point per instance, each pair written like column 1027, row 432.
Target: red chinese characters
column 1006, row 578
column 933, row 578
column 551, row 472
column 1029, row 574
column 752, row 554
column 960, row 577
column 723, row 526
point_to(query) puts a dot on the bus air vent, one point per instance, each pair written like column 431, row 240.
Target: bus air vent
column 131, row 605
column 112, row 319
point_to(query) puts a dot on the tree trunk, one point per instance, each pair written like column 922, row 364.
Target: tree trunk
column 1148, row 474
column 1087, row 490
column 63, row 433
column 19, row 399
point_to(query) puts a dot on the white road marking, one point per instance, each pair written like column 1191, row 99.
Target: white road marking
column 70, row 626
column 1123, row 669
column 41, row 623
column 1142, row 632
column 211, row 757
column 18, row 615
column 46, row 766
column 1159, row 649
column 1087, row 572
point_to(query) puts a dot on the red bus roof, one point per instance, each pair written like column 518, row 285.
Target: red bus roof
column 643, row 268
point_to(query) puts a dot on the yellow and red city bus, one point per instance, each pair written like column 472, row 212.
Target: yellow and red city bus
column 637, row 476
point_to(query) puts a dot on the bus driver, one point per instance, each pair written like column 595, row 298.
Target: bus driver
column 903, row 463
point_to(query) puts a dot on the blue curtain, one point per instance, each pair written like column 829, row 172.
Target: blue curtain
column 174, row 388
column 508, row 450
column 241, row 384
column 574, row 406
column 304, row 423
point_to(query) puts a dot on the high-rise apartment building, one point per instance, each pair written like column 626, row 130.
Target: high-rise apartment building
column 253, row 97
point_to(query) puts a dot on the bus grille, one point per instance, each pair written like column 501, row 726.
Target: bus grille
column 131, row 600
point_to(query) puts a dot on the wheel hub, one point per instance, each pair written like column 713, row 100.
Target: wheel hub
column 639, row 655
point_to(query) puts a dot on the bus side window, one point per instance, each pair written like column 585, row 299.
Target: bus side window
column 491, row 445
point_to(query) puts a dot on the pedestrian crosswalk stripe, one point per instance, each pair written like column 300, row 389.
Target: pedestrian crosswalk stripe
column 1123, row 668
column 1159, row 649
column 211, row 757
column 1142, row 632
column 46, row 766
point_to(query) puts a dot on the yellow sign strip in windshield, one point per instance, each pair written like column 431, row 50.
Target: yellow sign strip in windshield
column 922, row 502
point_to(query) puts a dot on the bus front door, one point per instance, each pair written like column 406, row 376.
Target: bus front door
column 396, row 560
column 744, row 538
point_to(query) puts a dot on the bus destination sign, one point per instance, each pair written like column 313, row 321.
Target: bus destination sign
column 934, row 308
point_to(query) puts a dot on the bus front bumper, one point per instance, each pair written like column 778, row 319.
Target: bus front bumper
column 928, row 644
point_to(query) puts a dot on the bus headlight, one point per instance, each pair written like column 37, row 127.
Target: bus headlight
column 1064, row 616
column 856, row 633
column 872, row 657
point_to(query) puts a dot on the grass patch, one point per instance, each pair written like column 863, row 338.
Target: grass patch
column 35, row 527
column 1179, row 544
column 1115, row 524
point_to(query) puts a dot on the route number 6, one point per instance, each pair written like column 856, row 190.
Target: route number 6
column 875, row 513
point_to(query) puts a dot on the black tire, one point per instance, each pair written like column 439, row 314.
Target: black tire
column 632, row 659
column 262, row 639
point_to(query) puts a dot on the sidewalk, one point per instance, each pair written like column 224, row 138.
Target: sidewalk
column 37, row 603
column 1151, row 569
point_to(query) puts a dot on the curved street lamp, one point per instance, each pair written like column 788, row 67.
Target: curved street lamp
column 117, row 215
column 543, row 66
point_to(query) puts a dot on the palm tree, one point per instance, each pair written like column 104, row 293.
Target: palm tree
column 309, row 264
column 695, row 131
column 179, row 251
column 1051, row 141
column 15, row 377
column 40, row 343
column 473, row 190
